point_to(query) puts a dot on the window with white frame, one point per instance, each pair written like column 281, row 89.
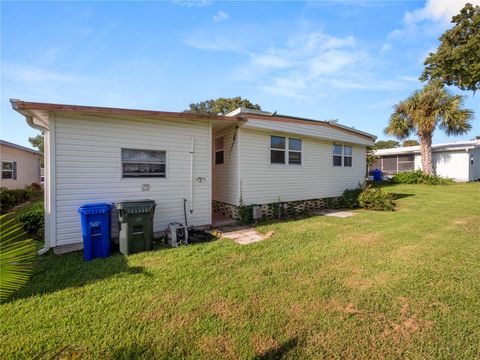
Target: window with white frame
column 285, row 150
column 219, row 151
column 137, row 163
column 342, row 155
column 9, row 170
column 294, row 151
column 347, row 156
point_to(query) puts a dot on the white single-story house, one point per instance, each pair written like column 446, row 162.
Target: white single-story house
column 215, row 163
column 20, row 165
column 456, row 160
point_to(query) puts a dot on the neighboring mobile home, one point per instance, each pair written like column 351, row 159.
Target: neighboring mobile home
column 20, row 165
column 96, row 154
column 456, row 160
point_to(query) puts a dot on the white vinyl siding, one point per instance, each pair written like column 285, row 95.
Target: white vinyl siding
column 88, row 169
column 225, row 177
column 263, row 182
column 451, row 164
column 313, row 130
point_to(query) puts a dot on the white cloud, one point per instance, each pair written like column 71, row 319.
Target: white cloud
column 333, row 61
column 437, row 10
column 301, row 66
column 31, row 75
column 386, row 47
column 192, row 3
column 269, row 61
column 203, row 40
column 220, row 16
column 430, row 20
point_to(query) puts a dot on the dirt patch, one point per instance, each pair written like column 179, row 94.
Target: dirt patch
column 262, row 343
column 223, row 309
column 356, row 281
column 217, row 347
column 408, row 252
column 403, row 327
column 364, row 239
column 460, row 222
column 407, row 325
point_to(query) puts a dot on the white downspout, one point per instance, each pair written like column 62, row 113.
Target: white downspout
column 191, row 173
column 47, row 184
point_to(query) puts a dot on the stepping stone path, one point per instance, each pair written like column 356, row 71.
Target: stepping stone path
column 334, row 213
column 245, row 236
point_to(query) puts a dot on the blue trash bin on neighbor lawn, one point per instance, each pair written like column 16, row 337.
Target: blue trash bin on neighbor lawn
column 96, row 230
column 377, row 175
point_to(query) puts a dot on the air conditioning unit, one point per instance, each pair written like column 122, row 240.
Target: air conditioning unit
column 257, row 212
column 177, row 234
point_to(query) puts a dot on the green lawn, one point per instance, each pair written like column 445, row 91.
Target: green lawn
column 376, row 285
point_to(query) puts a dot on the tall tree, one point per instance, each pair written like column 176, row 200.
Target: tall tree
column 221, row 106
column 37, row 142
column 410, row 142
column 424, row 111
column 457, row 59
column 386, row 144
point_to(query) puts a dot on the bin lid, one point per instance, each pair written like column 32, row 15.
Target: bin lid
column 142, row 205
column 95, row 208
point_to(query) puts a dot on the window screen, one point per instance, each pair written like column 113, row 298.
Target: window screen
column 143, row 163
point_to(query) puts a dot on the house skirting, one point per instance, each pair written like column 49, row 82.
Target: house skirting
column 280, row 209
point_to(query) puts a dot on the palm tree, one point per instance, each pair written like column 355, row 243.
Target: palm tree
column 424, row 111
column 16, row 256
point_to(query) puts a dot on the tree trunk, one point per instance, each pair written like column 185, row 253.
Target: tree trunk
column 426, row 152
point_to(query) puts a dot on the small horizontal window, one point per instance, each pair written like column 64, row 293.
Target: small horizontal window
column 338, row 149
column 337, row 160
column 294, row 144
column 143, row 163
column 347, row 161
column 277, row 142
column 294, row 157
column 277, row 156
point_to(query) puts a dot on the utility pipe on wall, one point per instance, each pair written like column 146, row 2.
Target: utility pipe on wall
column 191, row 174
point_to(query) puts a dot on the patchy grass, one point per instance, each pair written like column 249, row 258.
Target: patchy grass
column 375, row 285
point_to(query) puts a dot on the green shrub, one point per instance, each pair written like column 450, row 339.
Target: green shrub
column 11, row 198
column 376, row 199
column 245, row 214
column 34, row 221
column 419, row 177
column 349, row 198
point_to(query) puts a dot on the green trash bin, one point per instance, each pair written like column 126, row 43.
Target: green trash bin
column 136, row 225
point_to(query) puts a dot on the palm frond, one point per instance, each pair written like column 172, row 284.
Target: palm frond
column 16, row 257
column 400, row 124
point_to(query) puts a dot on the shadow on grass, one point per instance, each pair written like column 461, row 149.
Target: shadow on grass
column 397, row 196
column 279, row 352
column 53, row 273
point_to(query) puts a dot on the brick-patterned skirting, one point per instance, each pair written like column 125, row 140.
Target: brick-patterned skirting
column 281, row 209
column 225, row 209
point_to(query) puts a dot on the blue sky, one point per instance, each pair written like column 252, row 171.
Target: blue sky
column 344, row 60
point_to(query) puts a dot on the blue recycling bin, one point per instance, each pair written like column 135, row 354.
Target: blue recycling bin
column 96, row 223
column 377, row 175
